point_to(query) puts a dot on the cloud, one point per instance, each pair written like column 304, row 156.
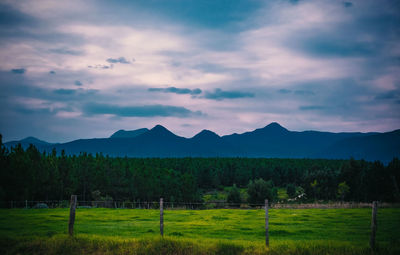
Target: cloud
column 329, row 46
column 78, row 94
column 121, row 60
column 18, row 70
column 10, row 17
column 284, row 91
column 312, row 107
column 139, row 111
column 347, row 4
column 65, row 91
column 176, row 90
column 297, row 58
column 101, row 66
column 393, row 94
column 52, row 72
column 213, row 14
column 78, row 83
column 219, row 94
column 66, row 51
column 304, row 92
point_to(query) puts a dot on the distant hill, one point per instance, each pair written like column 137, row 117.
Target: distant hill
column 272, row 140
column 28, row 141
column 129, row 134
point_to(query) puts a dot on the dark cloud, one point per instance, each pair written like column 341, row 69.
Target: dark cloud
column 284, row 91
column 393, row 94
column 304, row 92
column 121, row 60
column 65, row 91
column 176, row 90
column 212, row 14
column 312, row 107
column 14, row 88
column 10, row 17
column 101, row 66
column 370, row 33
column 66, row 51
column 328, row 46
column 78, row 83
column 296, row 92
column 52, row 72
column 219, row 94
column 139, row 111
column 28, row 111
column 18, row 70
column 347, row 4
column 76, row 93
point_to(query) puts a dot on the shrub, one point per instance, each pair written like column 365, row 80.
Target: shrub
column 41, row 206
column 291, row 190
column 259, row 190
column 234, row 196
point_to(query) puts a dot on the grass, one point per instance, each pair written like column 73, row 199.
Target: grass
column 282, row 194
column 222, row 231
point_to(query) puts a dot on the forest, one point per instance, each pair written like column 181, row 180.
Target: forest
column 32, row 175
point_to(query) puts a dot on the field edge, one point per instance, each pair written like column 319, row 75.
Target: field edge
column 89, row 244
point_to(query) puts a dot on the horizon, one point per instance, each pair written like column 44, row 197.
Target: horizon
column 189, row 137
column 80, row 70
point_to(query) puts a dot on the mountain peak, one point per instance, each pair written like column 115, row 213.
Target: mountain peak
column 129, row 134
column 33, row 140
column 275, row 126
column 206, row 134
column 160, row 130
column 271, row 129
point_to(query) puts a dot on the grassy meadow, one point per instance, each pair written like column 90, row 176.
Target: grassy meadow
column 222, row 231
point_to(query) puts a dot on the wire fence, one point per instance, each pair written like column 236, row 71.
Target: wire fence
column 184, row 205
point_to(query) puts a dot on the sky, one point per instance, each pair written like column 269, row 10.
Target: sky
column 85, row 69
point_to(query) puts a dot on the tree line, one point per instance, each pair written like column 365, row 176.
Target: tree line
column 32, row 175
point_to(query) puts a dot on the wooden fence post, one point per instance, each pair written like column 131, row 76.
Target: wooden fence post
column 266, row 224
column 72, row 215
column 373, row 224
column 161, row 217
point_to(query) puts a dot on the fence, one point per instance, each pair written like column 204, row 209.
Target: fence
column 184, row 205
column 129, row 205
column 74, row 203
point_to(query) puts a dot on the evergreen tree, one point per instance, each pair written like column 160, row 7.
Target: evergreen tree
column 291, row 190
column 259, row 190
column 234, row 196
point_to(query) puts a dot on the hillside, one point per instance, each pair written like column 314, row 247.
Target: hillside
column 271, row 141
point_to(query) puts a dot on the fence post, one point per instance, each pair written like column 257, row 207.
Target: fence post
column 266, row 224
column 72, row 215
column 373, row 224
column 161, row 217
column 26, row 204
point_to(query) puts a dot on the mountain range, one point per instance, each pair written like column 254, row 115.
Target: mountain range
column 272, row 141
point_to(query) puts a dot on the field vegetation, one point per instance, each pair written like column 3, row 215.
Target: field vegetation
column 222, row 231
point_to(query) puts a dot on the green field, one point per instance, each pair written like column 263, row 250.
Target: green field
column 222, row 231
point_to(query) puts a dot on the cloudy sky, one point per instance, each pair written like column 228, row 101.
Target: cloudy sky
column 84, row 69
